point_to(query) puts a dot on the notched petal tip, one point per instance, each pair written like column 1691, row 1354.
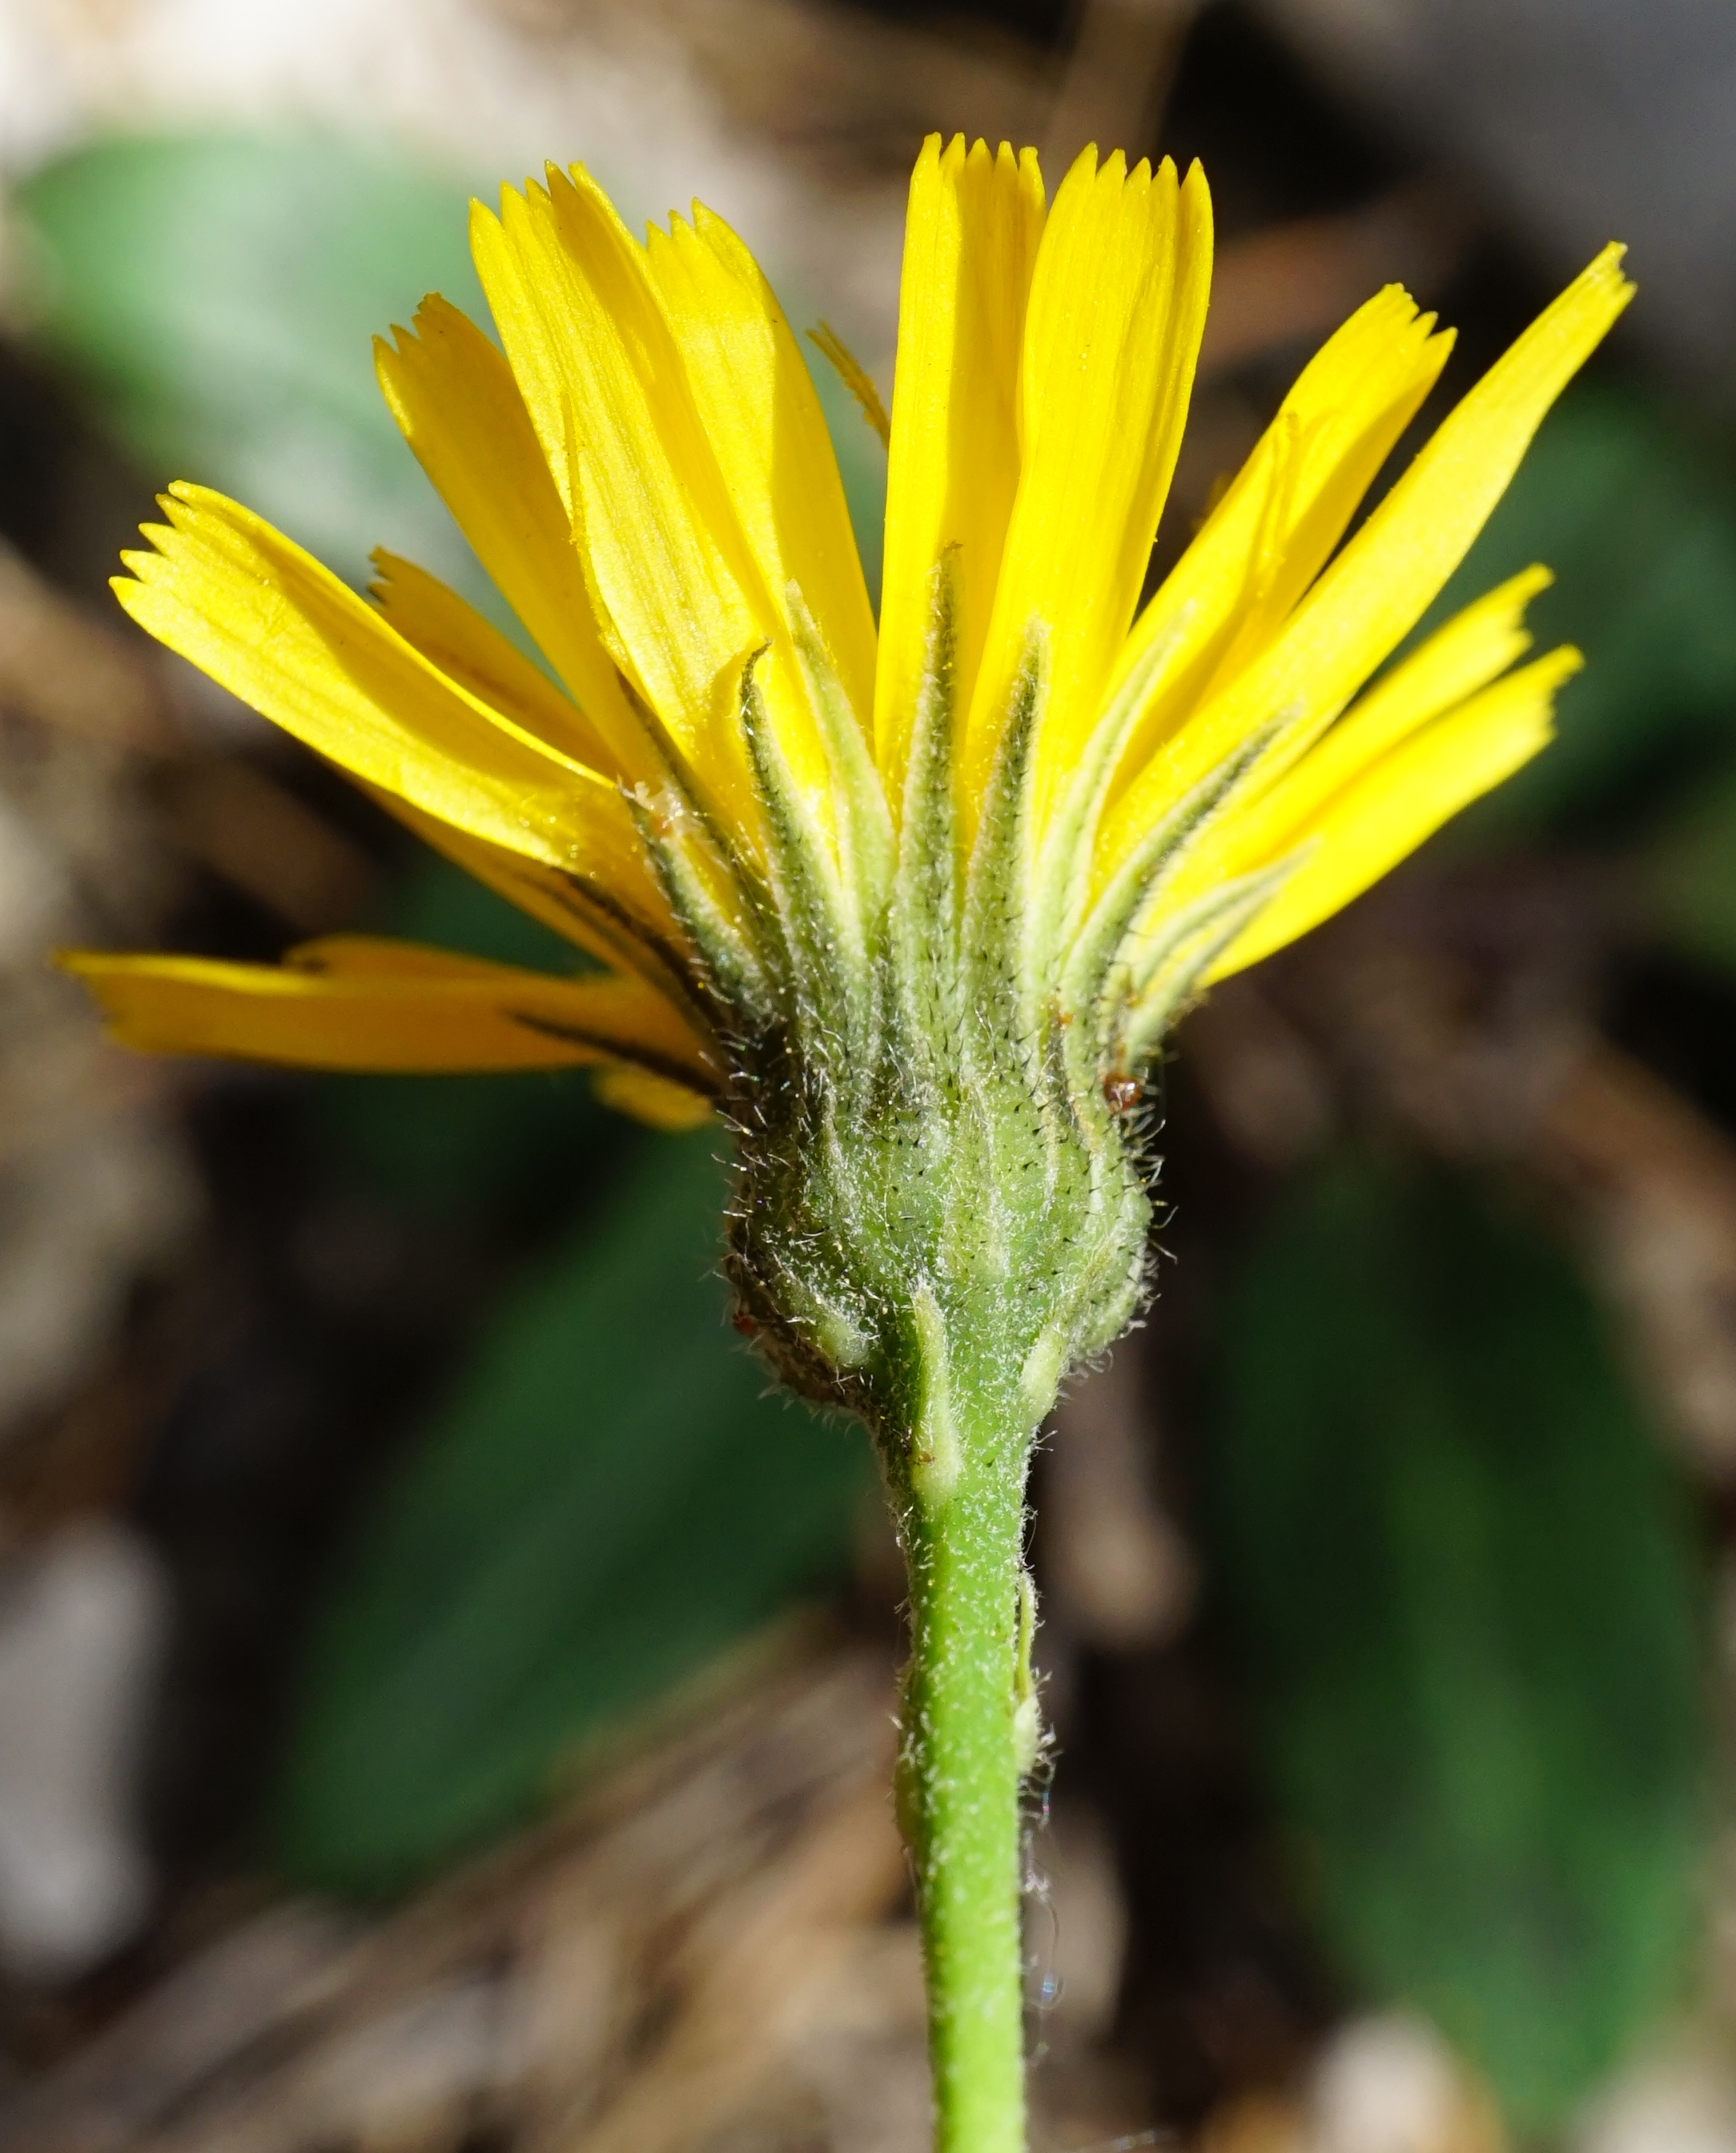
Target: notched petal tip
column 1196, row 198
column 1028, row 175
column 1602, row 285
column 425, row 319
column 1080, row 173
column 482, row 221
column 106, row 975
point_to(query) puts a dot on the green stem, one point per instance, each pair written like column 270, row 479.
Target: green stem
column 960, row 1780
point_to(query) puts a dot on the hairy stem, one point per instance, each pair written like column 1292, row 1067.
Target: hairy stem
column 962, row 1758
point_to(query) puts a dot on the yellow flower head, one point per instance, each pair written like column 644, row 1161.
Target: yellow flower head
column 911, row 909
column 926, row 892
column 732, row 766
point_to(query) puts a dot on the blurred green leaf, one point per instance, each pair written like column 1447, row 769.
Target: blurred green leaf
column 449, row 1145
column 608, row 1500
column 1639, row 524
column 221, row 293
column 1459, row 1570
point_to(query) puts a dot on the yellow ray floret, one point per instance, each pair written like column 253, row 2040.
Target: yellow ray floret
column 352, row 1002
column 1385, row 577
column 1116, row 312
column 760, row 412
column 1454, row 664
column 1283, row 513
column 976, row 220
column 739, row 797
column 454, row 636
column 271, row 625
column 455, row 399
column 1401, row 798
column 681, row 595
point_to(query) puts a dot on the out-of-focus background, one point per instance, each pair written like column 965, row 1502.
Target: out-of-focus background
column 445, row 1702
